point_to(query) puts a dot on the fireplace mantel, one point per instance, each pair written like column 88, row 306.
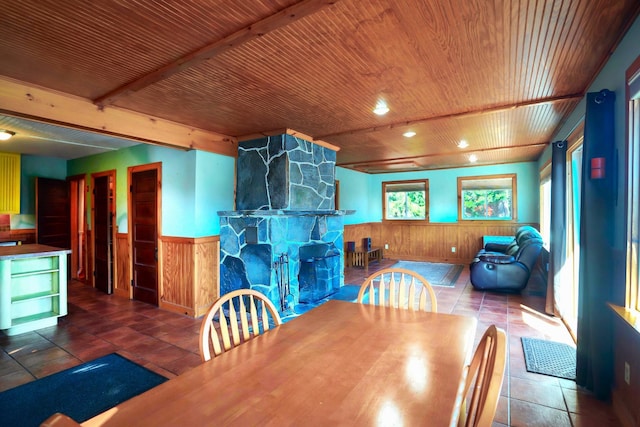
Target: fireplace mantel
column 258, row 213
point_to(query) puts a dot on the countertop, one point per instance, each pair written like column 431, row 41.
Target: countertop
column 28, row 251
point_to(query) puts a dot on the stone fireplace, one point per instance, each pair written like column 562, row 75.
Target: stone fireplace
column 286, row 229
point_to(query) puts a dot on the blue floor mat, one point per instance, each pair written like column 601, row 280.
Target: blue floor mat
column 80, row 392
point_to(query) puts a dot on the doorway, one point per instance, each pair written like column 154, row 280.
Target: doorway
column 144, row 226
column 103, row 230
column 53, row 213
column 572, row 265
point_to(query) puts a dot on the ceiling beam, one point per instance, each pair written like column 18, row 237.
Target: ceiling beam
column 383, row 162
column 258, row 29
column 468, row 113
column 25, row 100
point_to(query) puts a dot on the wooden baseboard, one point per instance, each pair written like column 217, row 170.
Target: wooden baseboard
column 179, row 309
column 122, row 293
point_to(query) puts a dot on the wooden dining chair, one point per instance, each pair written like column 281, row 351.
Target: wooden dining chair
column 243, row 312
column 398, row 288
column 484, row 380
column 59, row 420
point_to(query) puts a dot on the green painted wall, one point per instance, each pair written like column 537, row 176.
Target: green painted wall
column 189, row 207
column 363, row 192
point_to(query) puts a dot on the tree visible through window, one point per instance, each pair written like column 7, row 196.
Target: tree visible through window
column 406, row 200
column 487, row 197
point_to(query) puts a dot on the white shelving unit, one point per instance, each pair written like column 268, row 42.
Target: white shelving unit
column 33, row 287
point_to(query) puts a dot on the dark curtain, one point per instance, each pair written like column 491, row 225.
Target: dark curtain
column 558, row 243
column 595, row 346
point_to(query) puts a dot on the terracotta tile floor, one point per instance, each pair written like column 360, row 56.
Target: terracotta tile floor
column 100, row 324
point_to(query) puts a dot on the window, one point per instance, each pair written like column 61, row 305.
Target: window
column 406, row 200
column 491, row 197
column 545, row 204
column 633, row 185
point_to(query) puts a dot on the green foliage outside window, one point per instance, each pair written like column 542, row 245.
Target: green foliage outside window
column 487, row 197
column 406, row 200
column 486, row 204
column 406, row 205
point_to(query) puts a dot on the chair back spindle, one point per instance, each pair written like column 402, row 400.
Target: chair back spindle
column 252, row 317
column 484, row 380
column 406, row 289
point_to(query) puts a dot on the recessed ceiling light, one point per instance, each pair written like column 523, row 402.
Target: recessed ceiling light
column 6, row 134
column 409, row 134
column 463, row 144
column 381, row 108
column 473, row 158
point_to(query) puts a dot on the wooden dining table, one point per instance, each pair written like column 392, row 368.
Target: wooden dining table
column 338, row 364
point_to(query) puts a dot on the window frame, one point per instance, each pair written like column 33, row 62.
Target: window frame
column 514, row 198
column 409, row 182
column 632, row 217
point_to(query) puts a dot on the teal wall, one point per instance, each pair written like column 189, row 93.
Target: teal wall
column 363, row 192
column 354, row 195
column 189, row 207
column 30, row 168
column 215, row 183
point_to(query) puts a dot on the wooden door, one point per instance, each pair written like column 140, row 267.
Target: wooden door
column 144, row 235
column 103, row 232
column 53, row 213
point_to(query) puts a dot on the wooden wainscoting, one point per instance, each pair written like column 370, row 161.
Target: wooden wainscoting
column 431, row 241
column 122, row 280
column 190, row 280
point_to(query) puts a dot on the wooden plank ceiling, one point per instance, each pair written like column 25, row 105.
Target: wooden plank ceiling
column 501, row 75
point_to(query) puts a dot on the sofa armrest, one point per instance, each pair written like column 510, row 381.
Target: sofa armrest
column 497, row 259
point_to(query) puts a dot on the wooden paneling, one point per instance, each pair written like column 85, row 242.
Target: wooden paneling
column 190, row 279
column 207, row 284
column 178, row 263
column 431, row 241
column 122, row 282
column 626, row 397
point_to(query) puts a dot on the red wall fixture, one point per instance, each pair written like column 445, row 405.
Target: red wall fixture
column 598, row 168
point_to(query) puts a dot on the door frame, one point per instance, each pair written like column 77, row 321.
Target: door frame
column 130, row 171
column 114, row 274
column 78, row 214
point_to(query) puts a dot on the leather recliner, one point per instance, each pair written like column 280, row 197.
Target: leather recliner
column 510, row 269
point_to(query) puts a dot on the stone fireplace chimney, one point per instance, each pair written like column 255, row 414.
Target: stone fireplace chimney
column 285, row 189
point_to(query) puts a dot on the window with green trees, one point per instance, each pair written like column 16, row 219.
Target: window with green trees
column 487, row 197
column 406, row 200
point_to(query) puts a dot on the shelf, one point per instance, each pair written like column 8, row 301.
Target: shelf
column 31, row 297
column 33, row 273
column 33, row 288
column 34, row 317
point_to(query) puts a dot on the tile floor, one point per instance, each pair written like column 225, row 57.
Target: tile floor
column 100, row 324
